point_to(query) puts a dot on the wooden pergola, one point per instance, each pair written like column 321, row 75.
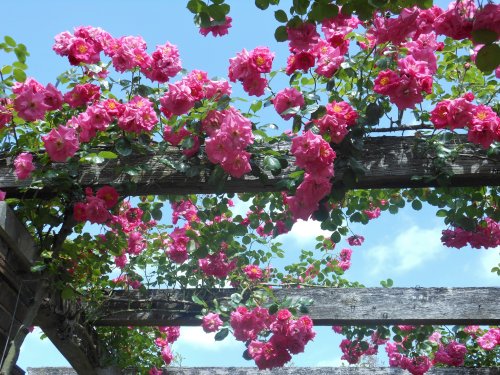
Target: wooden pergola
column 390, row 162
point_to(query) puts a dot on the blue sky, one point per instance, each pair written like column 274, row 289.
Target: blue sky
column 405, row 247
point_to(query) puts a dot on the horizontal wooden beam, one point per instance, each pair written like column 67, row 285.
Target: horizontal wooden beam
column 286, row 371
column 390, row 162
column 332, row 306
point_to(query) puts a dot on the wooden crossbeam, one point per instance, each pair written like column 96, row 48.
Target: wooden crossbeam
column 286, row 371
column 390, row 162
column 332, row 306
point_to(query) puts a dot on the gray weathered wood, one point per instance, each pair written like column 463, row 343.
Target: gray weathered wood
column 78, row 343
column 332, row 306
column 285, row 371
column 13, row 232
column 391, row 162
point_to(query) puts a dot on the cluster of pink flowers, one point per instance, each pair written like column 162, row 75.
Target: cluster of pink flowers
column 487, row 236
column 355, row 240
column 82, row 94
column 482, row 123
column 353, row 351
column 175, row 137
column 316, row 157
column 177, row 243
column 405, row 86
column 168, row 335
column 226, row 144
column 126, row 53
column 411, row 23
column 182, row 95
column 490, row 339
column 126, row 280
column 184, row 209
column 96, row 207
column 6, row 106
column 217, row 264
column 129, row 221
column 137, row 116
column 24, row 165
column 96, row 117
column 416, row 365
column 61, row 143
column 253, row 272
column 339, row 116
column 372, row 213
column 451, row 354
column 33, row 100
column 286, row 99
column 344, row 261
column 211, row 322
column 307, row 49
column 218, row 29
column 248, row 67
column 289, row 335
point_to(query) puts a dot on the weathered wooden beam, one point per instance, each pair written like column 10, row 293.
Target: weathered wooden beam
column 17, row 254
column 17, row 237
column 332, row 306
column 286, row 371
column 60, row 320
column 390, row 162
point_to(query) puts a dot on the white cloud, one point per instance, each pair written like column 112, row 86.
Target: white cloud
column 407, row 251
column 305, row 231
column 196, row 337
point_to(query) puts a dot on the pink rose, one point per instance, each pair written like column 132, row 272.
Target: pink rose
column 24, row 165
column 61, row 143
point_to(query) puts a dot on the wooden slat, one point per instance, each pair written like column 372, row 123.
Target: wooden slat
column 285, row 371
column 391, row 162
column 332, row 306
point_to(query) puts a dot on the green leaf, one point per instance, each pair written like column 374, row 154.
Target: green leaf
column 6, row 69
column 107, row 155
column 222, row 334
column 488, row 58
column 157, row 214
column 19, row 75
column 20, row 54
column 10, row 41
column 280, row 34
column 223, row 102
column 271, row 163
column 281, row 16
column 68, row 293
column 484, row 36
column 425, row 4
column 196, row 6
column 198, row 300
column 123, row 147
column 442, row 213
column 39, row 267
column 256, row 105
column 335, row 237
column 297, row 124
column 247, row 356
column 416, row 205
column 217, row 12
column 300, row 6
column 262, row 4
column 273, row 309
